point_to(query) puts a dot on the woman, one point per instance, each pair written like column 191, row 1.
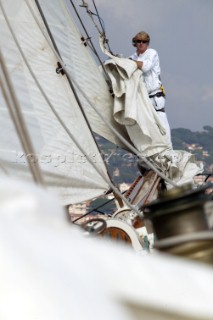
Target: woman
column 147, row 60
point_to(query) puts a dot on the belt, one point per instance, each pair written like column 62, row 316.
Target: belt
column 161, row 110
column 158, row 94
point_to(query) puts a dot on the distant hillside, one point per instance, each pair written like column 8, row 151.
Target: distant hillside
column 199, row 143
column 122, row 165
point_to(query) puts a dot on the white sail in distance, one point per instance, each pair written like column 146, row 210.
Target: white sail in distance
column 64, row 166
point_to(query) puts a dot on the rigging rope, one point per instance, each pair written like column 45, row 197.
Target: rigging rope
column 99, row 18
column 88, row 40
column 91, row 14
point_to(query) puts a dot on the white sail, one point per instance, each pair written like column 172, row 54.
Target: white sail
column 62, row 274
column 64, row 166
column 82, row 68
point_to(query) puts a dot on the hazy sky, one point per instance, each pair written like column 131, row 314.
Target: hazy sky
column 182, row 33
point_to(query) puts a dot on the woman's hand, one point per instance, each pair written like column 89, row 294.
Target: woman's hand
column 139, row 64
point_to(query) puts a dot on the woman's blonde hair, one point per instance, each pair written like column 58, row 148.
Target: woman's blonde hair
column 142, row 35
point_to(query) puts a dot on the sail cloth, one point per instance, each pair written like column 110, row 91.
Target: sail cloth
column 48, row 270
column 82, row 69
column 64, row 166
column 133, row 109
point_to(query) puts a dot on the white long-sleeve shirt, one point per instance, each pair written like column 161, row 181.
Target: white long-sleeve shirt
column 151, row 69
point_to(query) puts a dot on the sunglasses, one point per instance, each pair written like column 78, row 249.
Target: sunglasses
column 140, row 41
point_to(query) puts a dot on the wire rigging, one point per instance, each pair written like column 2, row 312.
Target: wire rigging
column 101, row 29
column 88, row 40
column 101, row 21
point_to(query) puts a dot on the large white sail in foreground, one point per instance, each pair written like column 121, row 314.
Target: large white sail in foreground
column 64, row 166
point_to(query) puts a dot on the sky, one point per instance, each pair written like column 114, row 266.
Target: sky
column 182, row 33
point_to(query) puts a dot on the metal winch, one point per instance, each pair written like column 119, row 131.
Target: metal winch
column 180, row 224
